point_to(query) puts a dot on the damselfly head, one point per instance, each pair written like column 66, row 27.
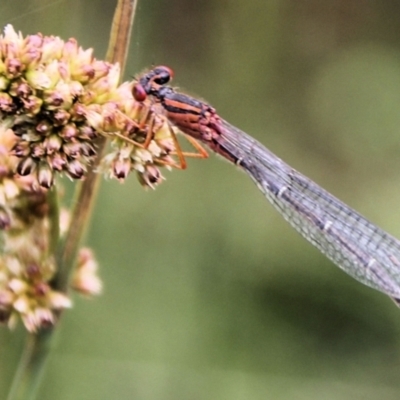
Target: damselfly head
column 150, row 82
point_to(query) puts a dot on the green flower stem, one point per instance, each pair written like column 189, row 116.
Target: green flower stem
column 34, row 355
column 87, row 191
column 38, row 347
column 31, row 366
column 85, row 196
column 121, row 30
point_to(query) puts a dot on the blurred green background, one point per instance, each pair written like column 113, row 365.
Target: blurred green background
column 209, row 294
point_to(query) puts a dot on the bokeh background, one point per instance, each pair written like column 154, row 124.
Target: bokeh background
column 208, row 293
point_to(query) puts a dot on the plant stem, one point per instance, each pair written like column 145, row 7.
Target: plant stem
column 31, row 366
column 87, row 190
column 38, row 347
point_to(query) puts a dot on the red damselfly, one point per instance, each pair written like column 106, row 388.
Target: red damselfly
column 356, row 245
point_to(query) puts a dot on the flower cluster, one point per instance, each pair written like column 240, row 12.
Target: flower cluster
column 56, row 101
column 144, row 146
column 44, row 86
column 26, row 267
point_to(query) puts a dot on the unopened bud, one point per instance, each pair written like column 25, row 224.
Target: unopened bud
column 166, row 144
column 21, row 149
column 75, row 169
column 53, row 143
column 13, row 67
column 6, row 103
column 26, row 166
column 69, row 131
column 72, row 149
column 121, row 168
column 78, row 112
column 76, row 88
column 151, row 176
column 38, row 79
column 45, row 175
column 38, row 151
column 87, row 132
column 32, row 105
column 54, row 99
column 61, row 116
column 57, row 162
column 43, row 127
column 44, row 317
column 101, row 69
column 20, row 89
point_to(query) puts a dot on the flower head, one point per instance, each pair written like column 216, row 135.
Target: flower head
column 56, row 101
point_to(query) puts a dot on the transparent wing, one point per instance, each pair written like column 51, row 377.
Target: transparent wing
column 356, row 245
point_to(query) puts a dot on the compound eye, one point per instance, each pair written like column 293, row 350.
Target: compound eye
column 162, row 75
column 138, row 92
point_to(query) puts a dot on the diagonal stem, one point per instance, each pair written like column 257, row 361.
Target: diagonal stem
column 38, row 346
column 87, row 191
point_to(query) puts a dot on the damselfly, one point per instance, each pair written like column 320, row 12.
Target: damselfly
column 356, row 245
